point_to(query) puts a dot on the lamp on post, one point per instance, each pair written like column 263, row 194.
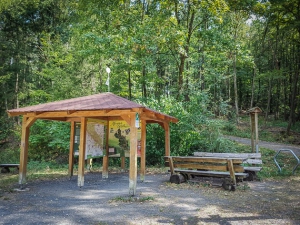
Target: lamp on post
column 107, row 81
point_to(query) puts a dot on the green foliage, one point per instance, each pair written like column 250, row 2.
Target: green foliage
column 177, row 55
column 286, row 161
column 35, row 166
column 196, row 130
column 49, row 141
column 9, row 155
column 6, row 129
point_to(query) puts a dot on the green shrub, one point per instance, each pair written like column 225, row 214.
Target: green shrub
column 196, row 130
column 49, row 141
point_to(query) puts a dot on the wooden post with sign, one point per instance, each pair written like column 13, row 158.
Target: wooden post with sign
column 254, row 127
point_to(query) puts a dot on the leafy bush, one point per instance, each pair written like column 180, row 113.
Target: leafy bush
column 9, row 155
column 196, row 130
column 49, row 140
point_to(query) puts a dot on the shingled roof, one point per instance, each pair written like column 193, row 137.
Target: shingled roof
column 96, row 102
column 100, row 101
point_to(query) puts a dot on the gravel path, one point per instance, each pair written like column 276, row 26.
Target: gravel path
column 101, row 201
column 106, row 201
column 270, row 145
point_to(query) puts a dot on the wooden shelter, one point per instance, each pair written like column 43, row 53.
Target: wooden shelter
column 104, row 106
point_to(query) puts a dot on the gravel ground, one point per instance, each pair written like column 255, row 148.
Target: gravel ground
column 106, row 201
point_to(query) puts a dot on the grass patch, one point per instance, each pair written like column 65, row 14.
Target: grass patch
column 132, row 199
column 35, row 171
column 270, row 171
column 8, row 180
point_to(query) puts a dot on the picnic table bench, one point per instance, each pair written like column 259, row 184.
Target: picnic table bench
column 5, row 167
column 252, row 162
column 183, row 168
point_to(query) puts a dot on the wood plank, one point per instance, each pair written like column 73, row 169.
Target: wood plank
column 253, row 168
column 218, row 167
column 253, row 161
column 228, row 155
column 205, row 159
column 9, row 165
column 89, row 113
column 209, row 173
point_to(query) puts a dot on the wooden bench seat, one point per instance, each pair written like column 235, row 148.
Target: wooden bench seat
column 252, row 162
column 5, row 167
column 210, row 173
column 182, row 168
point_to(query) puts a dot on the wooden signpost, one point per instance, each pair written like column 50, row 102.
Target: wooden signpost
column 254, row 127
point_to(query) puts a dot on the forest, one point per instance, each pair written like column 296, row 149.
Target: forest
column 202, row 61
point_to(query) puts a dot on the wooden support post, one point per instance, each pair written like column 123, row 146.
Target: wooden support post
column 81, row 159
column 256, row 132
column 133, row 156
column 106, row 154
column 89, row 164
column 143, row 150
column 254, row 128
column 171, row 165
column 71, row 151
column 26, row 123
column 231, row 170
column 252, row 122
column 122, row 163
column 167, row 139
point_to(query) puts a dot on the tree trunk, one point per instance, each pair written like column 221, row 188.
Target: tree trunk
column 180, row 75
column 235, row 88
column 129, row 83
column 269, row 99
column 293, row 104
column 144, row 88
column 252, row 89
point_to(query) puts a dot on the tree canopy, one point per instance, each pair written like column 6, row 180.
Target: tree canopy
column 222, row 56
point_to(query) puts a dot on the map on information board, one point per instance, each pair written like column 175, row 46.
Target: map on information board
column 119, row 139
column 95, row 139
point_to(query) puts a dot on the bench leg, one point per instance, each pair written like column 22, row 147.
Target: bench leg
column 231, row 170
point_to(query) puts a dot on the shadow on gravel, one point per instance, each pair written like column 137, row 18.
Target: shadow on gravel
column 106, row 201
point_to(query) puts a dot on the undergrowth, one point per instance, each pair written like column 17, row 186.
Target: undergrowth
column 271, row 131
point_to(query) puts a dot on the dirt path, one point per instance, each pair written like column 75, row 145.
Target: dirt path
column 269, row 145
column 102, row 201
